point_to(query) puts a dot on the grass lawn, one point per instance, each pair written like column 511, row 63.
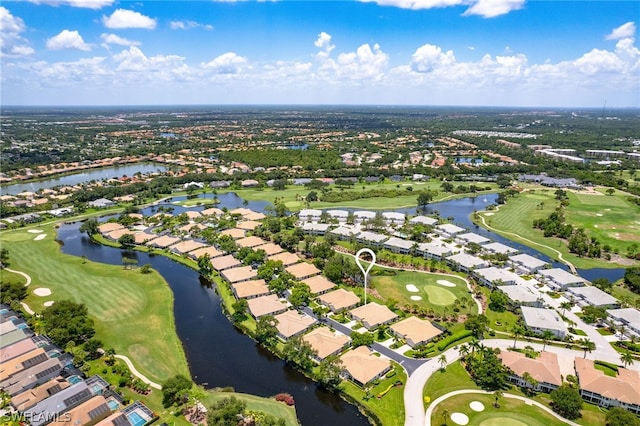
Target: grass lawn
column 389, row 408
column 433, row 295
column 611, row 219
column 7, row 277
column 255, row 403
column 293, row 196
column 133, row 312
column 453, row 378
column 511, row 412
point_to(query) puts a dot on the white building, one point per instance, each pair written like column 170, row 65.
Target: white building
column 471, row 237
column 560, row 279
column 593, row 296
column 398, row 245
column 527, row 264
column 538, row 320
column 449, row 230
column 466, row 262
column 628, row 317
column 423, row 220
column 493, row 276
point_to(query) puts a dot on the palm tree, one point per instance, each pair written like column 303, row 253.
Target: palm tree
column 445, row 415
column 546, row 336
column 443, row 361
column 530, row 380
column 464, row 350
column 516, row 332
column 586, row 345
column 497, row 395
column 626, row 358
column 565, row 305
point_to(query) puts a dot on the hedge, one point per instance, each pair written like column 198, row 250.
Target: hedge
column 453, row 338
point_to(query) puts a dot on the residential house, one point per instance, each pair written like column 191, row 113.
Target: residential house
column 606, row 391
column 326, row 342
column 339, row 300
column 398, row 245
column 362, row 366
column 415, row 331
column 466, row 262
column 526, row 263
column 224, row 262
column 493, row 276
column 544, row 369
column 560, row 279
column 286, row 258
column 538, row 320
column 373, row 314
column 250, row 289
column 589, row 295
column 318, row 284
column 239, row 274
column 292, row 323
column 266, row 305
column 449, row 230
column 627, row 317
column 302, row 270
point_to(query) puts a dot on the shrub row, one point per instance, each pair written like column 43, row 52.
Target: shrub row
column 453, row 338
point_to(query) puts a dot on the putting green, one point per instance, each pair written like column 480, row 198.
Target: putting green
column 439, row 296
column 293, row 204
column 502, row 421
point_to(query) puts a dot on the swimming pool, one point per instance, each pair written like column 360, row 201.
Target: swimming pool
column 113, row 404
column 74, row 379
column 135, row 419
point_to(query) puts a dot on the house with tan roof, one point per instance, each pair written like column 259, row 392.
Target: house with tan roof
column 362, row 366
column 163, row 241
column 250, row 242
column 270, row 249
column 339, row 300
column 105, row 228
column 86, row 414
column 192, row 214
column 239, row 274
column 27, row 399
column 254, row 216
column 248, row 225
column 16, row 349
column 241, row 211
column 292, row 323
column 19, row 363
column 210, row 250
column 318, row 284
column 373, row 314
column 606, row 391
column 286, row 258
column 415, row 331
column 213, row 211
column 545, row 370
column 118, row 233
column 234, row 233
column 224, row 262
column 186, row 246
column 326, row 342
column 192, row 227
column 142, row 237
column 266, row 305
column 250, row 289
column 303, row 270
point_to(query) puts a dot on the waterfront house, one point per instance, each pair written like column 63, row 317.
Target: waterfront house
column 266, row 305
column 326, row 342
column 362, row 366
column 250, row 289
column 292, row 323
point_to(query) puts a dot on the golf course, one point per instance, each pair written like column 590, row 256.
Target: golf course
column 611, row 219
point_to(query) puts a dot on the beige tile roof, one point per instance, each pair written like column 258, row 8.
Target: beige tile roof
column 266, row 305
column 241, row 211
column 18, row 348
column 191, row 227
column 192, row 214
column 326, row 342
column 286, row 258
column 318, row 284
column 248, row 225
column 339, row 299
column 79, row 415
column 213, row 211
column 163, row 241
column 302, row 270
column 624, row 388
column 254, row 216
column 373, row 314
column 234, row 233
column 186, row 246
column 293, row 322
column 210, row 250
column 250, row 242
column 115, row 235
column 31, row 397
column 109, row 227
column 415, row 330
column 269, row 248
column 363, row 365
column 224, row 262
column 250, row 288
column 545, row 368
column 241, row 273
column 9, row 368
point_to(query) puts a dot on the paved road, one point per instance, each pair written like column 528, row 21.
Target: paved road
column 433, row 405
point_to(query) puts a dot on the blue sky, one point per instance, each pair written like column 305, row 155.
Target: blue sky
column 403, row 52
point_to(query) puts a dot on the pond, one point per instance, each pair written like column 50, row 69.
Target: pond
column 84, row 176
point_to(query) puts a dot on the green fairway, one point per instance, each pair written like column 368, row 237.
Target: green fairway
column 502, row 421
column 255, row 403
column 433, row 295
column 611, row 219
column 134, row 312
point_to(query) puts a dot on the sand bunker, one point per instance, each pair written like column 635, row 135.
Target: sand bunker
column 476, row 406
column 599, row 214
column 42, row 291
column 416, row 298
column 49, row 303
column 489, row 214
column 459, row 418
column 446, row 283
column 35, row 231
column 40, row 237
column 412, row 288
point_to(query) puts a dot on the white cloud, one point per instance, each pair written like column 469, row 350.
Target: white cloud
column 323, row 42
column 88, row 4
column 11, row 43
column 135, row 60
column 484, row 8
column 493, row 8
column 123, row 18
column 429, row 57
column 627, row 30
column 116, row 39
column 187, row 25
column 363, row 64
column 67, row 40
column 227, row 63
